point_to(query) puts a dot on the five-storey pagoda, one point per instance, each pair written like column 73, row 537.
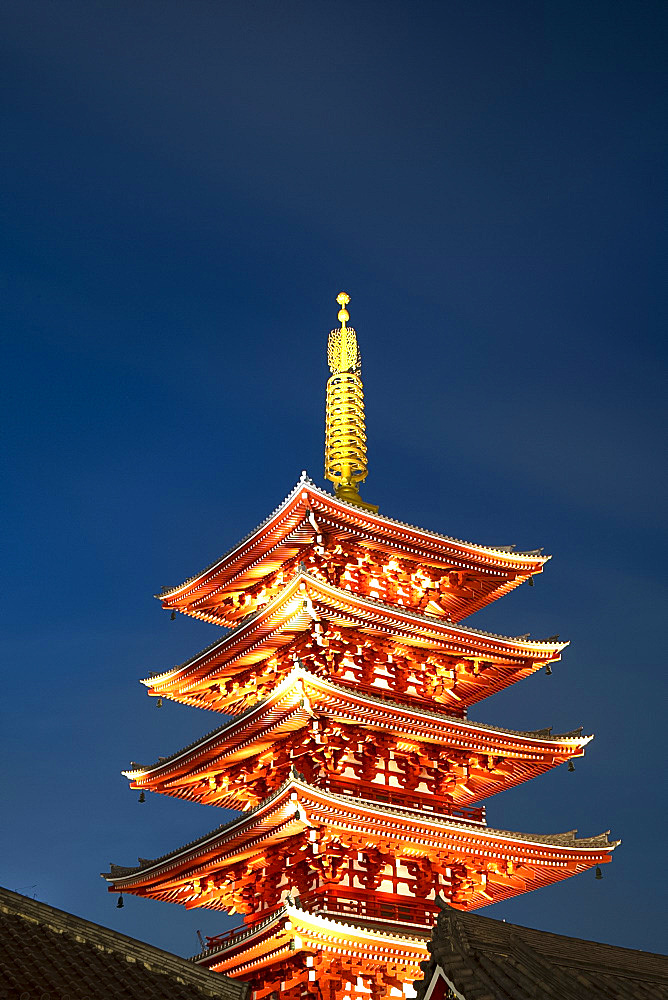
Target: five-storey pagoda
column 347, row 672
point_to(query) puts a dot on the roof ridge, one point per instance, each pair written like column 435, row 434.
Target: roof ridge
column 307, row 481
column 539, row 967
column 286, row 910
column 503, row 549
column 433, row 619
column 399, row 609
column 301, row 671
column 170, row 590
column 118, row 871
column 474, row 917
column 524, row 961
column 567, row 839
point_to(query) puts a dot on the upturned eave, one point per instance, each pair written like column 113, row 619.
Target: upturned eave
column 297, row 806
column 294, row 929
column 306, row 598
column 296, row 522
column 303, row 696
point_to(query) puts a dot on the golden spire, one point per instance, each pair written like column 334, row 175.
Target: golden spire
column 345, row 432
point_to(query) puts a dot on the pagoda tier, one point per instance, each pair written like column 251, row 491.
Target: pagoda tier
column 361, row 859
column 351, row 546
column 293, row 950
column 361, row 745
column 358, row 641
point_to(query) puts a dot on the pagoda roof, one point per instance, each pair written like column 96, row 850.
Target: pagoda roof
column 292, row 705
column 306, row 598
column 307, row 510
column 292, row 928
column 295, row 806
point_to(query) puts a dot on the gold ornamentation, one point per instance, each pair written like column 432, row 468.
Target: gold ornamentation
column 345, row 430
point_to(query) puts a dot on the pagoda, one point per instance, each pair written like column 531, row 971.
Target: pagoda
column 346, row 672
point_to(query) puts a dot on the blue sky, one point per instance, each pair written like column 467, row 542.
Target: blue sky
column 186, row 187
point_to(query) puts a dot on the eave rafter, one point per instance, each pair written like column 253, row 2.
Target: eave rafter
column 496, row 863
column 293, row 930
column 309, row 511
column 308, row 705
column 306, row 603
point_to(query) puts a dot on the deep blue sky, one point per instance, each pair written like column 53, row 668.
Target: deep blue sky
column 186, row 187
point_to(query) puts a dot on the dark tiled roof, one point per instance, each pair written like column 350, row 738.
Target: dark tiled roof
column 46, row 952
column 488, row 959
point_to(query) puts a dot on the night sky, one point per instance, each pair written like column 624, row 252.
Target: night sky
column 186, row 186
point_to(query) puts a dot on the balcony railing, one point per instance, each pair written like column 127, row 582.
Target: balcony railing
column 404, row 798
column 375, row 907
column 249, row 925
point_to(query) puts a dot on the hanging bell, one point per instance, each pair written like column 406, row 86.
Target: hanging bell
column 120, row 904
column 142, row 797
column 172, row 617
column 571, row 765
column 158, row 703
column 530, row 581
column 599, row 873
column 548, row 670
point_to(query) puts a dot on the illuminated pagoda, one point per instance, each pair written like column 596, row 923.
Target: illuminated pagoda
column 348, row 673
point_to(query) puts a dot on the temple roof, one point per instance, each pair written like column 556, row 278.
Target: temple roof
column 292, row 925
column 482, row 957
column 307, row 510
column 303, row 695
column 47, row 952
column 297, row 806
column 306, row 598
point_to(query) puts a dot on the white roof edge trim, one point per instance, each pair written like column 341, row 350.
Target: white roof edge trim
column 298, row 673
column 378, row 518
column 171, row 591
column 487, row 831
column 327, row 922
column 439, row 974
column 301, row 576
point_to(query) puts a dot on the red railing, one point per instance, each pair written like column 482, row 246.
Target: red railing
column 359, row 903
column 420, row 701
column 249, row 925
column 424, row 801
column 218, row 939
column 379, row 906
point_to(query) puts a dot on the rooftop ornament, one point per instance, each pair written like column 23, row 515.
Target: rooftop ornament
column 345, row 430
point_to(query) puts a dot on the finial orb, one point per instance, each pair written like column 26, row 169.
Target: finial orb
column 343, row 316
column 343, row 298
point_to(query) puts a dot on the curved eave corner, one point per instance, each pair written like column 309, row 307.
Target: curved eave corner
column 524, row 564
